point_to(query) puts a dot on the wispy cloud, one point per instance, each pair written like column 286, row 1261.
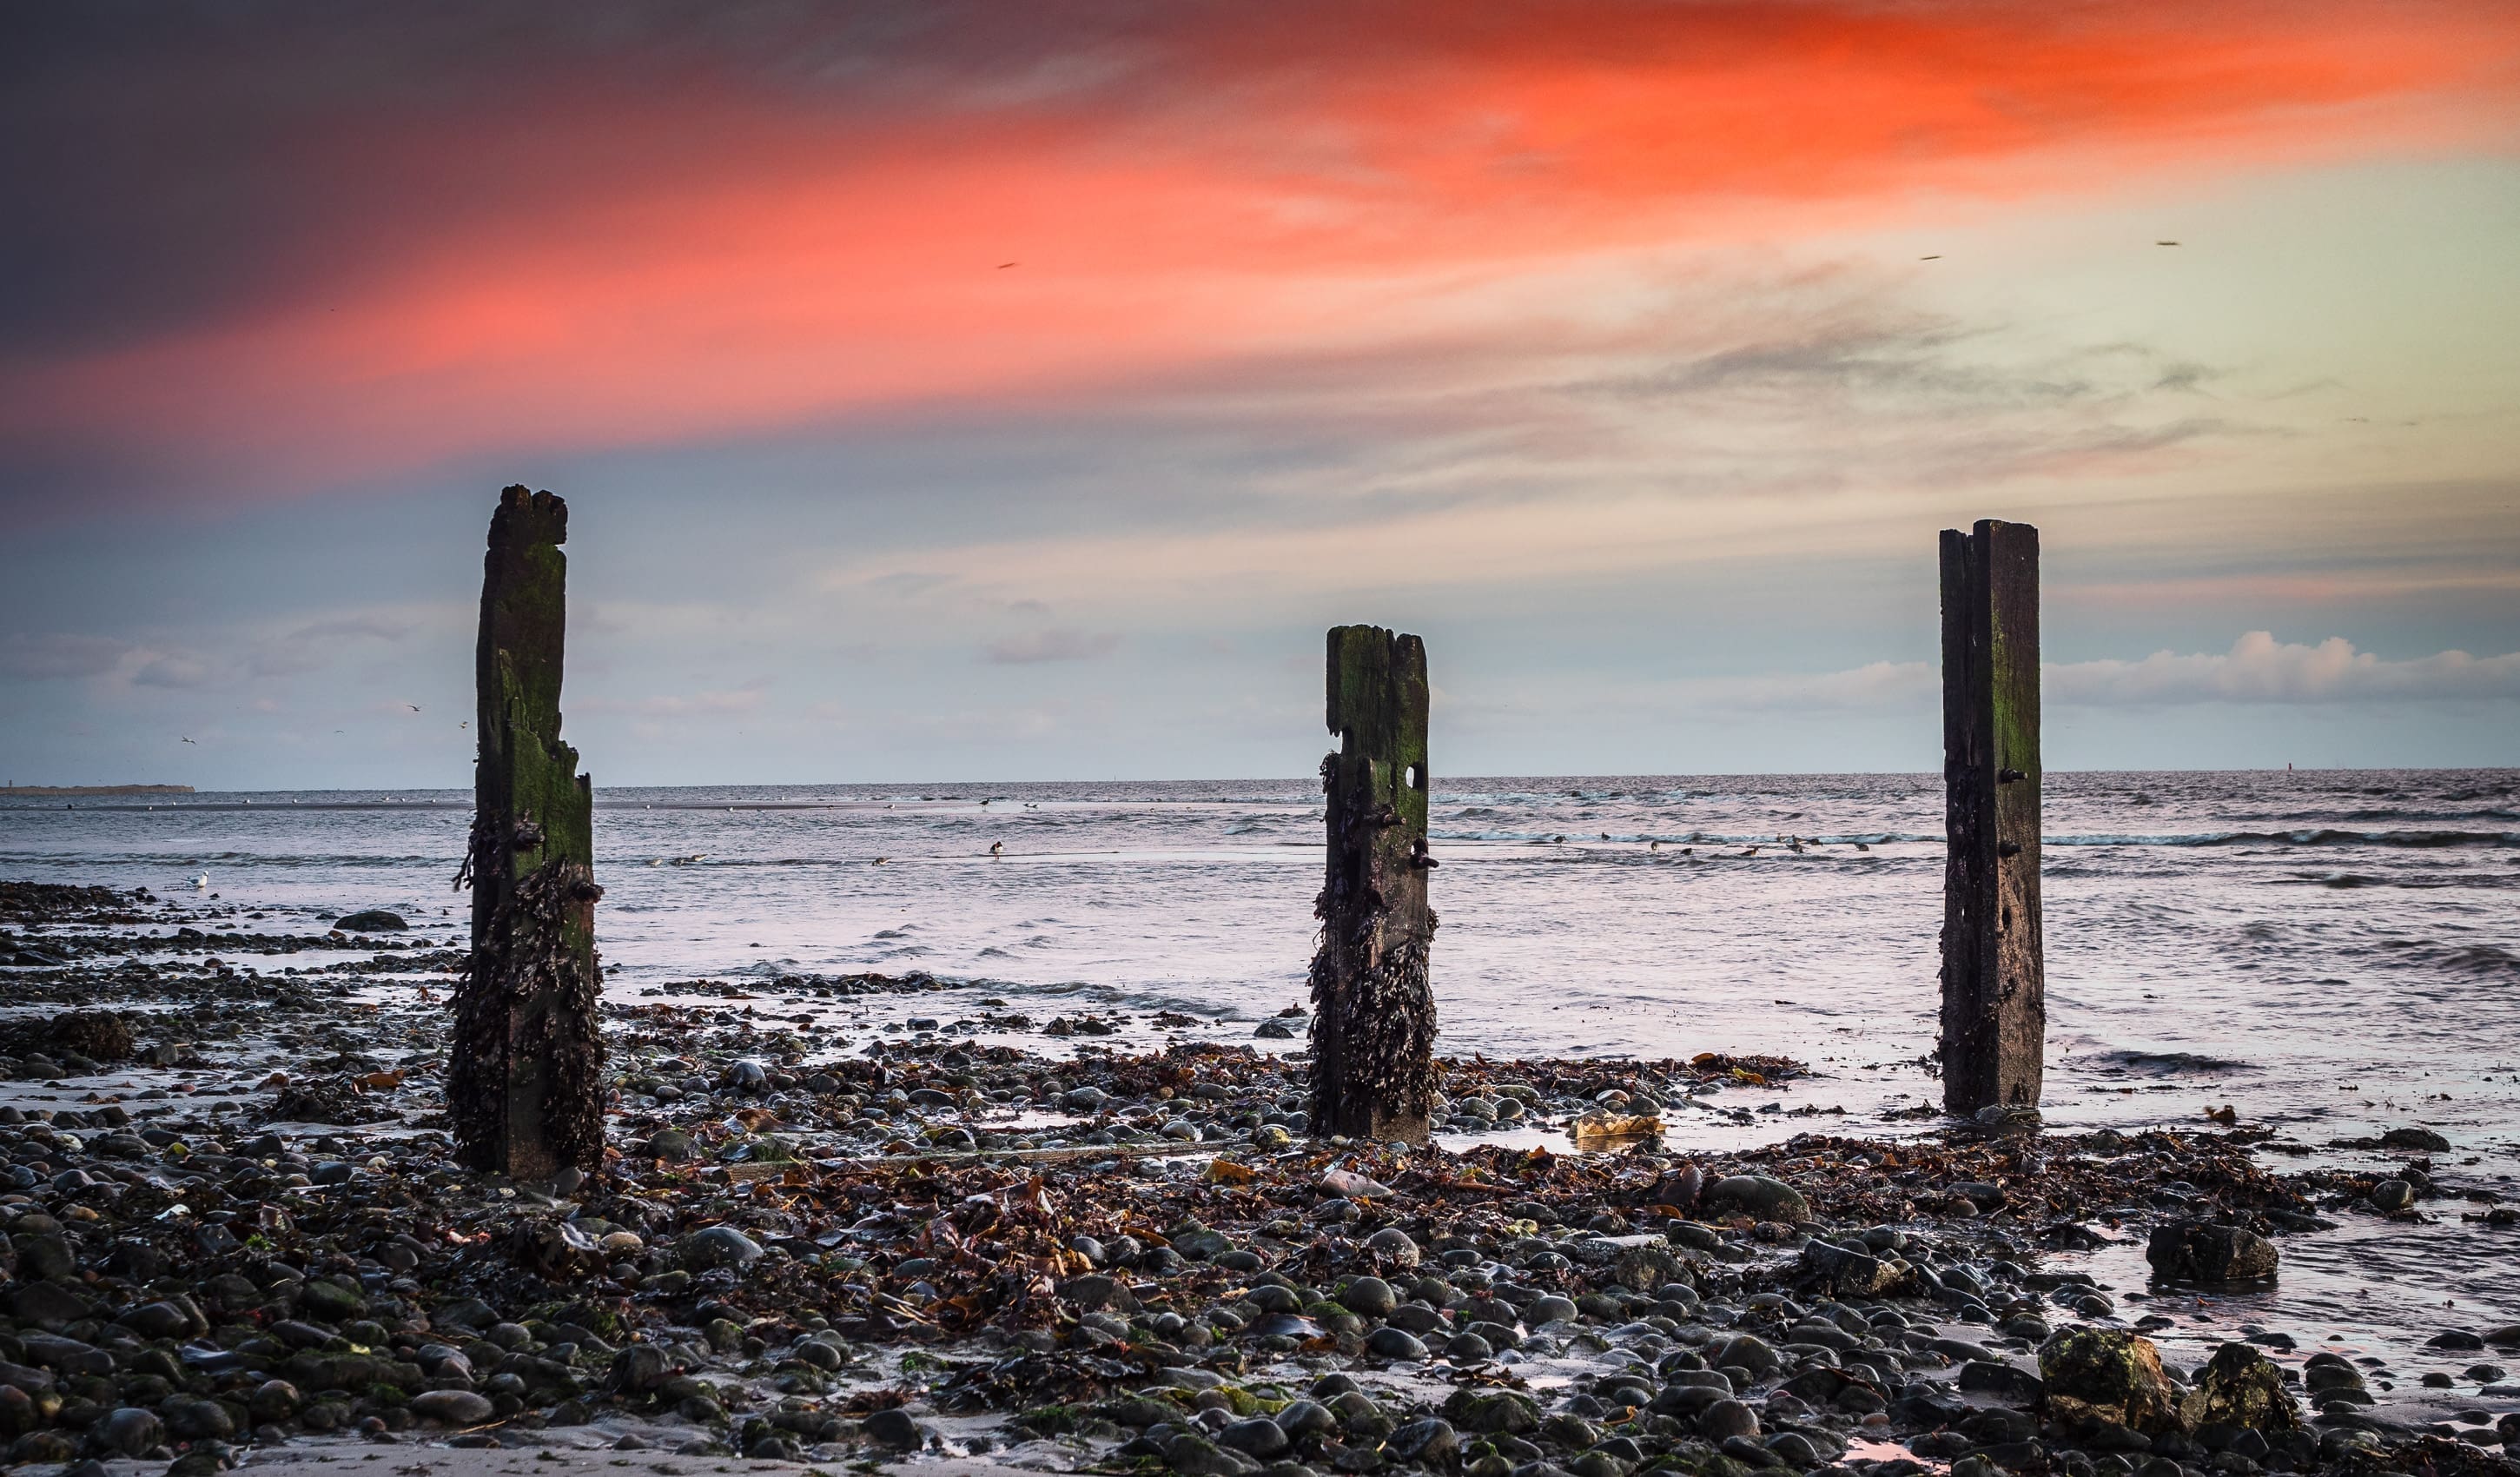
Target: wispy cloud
column 1057, row 644
column 2259, row 668
column 723, row 703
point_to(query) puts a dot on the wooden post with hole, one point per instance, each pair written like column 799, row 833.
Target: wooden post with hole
column 524, row 1078
column 1995, row 991
column 1374, row 1012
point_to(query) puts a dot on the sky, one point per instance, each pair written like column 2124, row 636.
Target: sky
column 982, row 391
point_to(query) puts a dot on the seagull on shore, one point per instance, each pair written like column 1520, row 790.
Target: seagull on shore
column 997, row 849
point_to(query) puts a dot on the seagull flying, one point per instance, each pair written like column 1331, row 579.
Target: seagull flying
column 1937, row 256
column 2165, row 243
column 415, row 707
column 188, row 740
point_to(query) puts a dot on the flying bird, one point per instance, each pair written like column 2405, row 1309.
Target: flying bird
column 1002, row 266
column 188, row 740
column 1937, row 256
column 2165, row 243
column 415, row 707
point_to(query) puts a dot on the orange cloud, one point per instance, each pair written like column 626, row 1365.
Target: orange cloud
column 624, row 254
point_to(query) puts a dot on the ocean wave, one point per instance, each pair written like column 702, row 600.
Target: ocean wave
column 2317, row 837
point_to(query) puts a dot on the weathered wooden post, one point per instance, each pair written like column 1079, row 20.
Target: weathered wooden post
column 1374, row 1014
column 524, row 1081
column 1995, row 990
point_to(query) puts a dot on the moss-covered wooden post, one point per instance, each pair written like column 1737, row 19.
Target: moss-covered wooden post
column 1995, row 990
column 524, row 1081
column 1373, row 1013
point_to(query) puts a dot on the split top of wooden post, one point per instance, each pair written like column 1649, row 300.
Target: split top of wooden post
column 1377, row 706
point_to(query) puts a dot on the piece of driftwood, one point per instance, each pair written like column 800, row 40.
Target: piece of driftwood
column 1374, row 1011
column 1995, row 1000
column 524, row 1083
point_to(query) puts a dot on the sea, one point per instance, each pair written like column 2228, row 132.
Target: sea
column 2328, row 954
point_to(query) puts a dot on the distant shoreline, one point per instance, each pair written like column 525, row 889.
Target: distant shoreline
column 95, row 790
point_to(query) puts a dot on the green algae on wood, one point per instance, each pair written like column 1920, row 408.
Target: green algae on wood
column 524, row 1079
column 1373, row 1011
column 1995, row 1000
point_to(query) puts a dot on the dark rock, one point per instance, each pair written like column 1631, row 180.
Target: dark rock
column 44, row 1255
column 895, row 1429
column 1745, row 1351
column 48, row 1305
column 1432, row 1441
column 1368, row 1297
column 452, row 1407
column 1727, row 1418
column 129, row 1432
column 1197, row 1457
column 274, row 1401
column 638, row 1369
column 1389, row 1342
column 2200, row 1251
column 1491, row 1412
column 200, row 1420
column 2393, row 1195
column 1843, row 1271
column 371, row 920
column 719, row 1246
column 163, row 1320
column 2422, row 1139
column 1766, row 1198
column 1256, row 1437
column 68, row 1356
column 2100, row 1375
column 1094, row 1291
column 2244, row 1389
column 330, row 1300
column 1393, row 1245
column 2002, row 1378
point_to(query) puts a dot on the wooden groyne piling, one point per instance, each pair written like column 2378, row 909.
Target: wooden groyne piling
column 524, row 1080
column 1374, row 1011
column 1995, row 998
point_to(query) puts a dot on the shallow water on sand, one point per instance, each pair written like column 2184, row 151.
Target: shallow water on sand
column 2330, row 953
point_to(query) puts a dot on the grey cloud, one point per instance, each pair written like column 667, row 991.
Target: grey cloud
column 1051, row 646
column 310, row 647
column 60, row 654
column 174, row 671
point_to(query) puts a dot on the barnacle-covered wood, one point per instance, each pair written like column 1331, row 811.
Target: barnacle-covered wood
column 524, row 1079
column 1374, row 1012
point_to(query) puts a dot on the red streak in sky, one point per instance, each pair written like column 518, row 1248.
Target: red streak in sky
column 617, row 259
